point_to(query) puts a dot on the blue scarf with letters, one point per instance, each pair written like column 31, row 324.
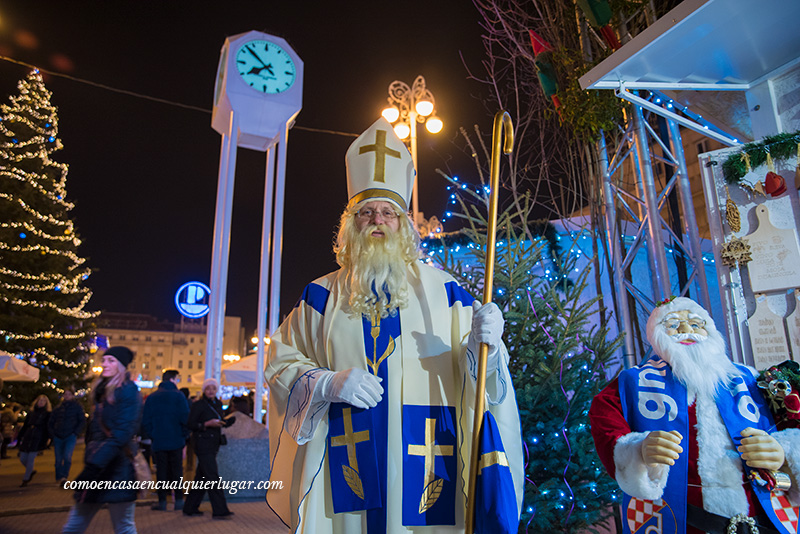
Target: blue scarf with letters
column 653, row 400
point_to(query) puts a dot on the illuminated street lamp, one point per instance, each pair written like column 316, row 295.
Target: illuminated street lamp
column 407, row 106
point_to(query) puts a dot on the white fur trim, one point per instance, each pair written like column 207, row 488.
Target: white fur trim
column 789, row 439
column 718, row 463
column 633, row 476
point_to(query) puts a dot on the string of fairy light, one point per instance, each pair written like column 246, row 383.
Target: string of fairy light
column 29, row 135
column 56, row 196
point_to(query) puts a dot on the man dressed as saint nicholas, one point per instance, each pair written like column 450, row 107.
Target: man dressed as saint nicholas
column 372, row 375
column 690, row 440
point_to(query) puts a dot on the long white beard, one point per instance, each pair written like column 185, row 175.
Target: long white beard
column 702, row 366
column 377, row 276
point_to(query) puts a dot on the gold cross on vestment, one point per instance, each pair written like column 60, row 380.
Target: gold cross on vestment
column 430, row 450
column 350, row 438
column 381, row 151
column 492, row 458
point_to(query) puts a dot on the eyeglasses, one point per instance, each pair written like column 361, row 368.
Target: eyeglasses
column 387, row 214
column 673, row 323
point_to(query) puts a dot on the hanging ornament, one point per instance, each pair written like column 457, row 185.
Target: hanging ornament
column 542, row 60
column 756, row 188
column 735, row 252
column 746, row 159
column 598, row 13
column 732, row 213
column 774, row 184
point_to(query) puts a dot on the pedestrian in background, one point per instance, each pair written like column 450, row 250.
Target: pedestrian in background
column 164, row 421
column 205, row 422
column 110, row 448
column 189, row 449
column 66, row 423
column 8, row 423
column 33, row 436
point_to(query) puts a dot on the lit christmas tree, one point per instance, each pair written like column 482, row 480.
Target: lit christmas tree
column 42, row 298
column 560, row 356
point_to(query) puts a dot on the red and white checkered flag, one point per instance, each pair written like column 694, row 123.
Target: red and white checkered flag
column 786, row 513
column 641, row 511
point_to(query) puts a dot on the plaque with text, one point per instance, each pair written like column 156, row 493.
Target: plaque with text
column 775, row 253
column 767, row 336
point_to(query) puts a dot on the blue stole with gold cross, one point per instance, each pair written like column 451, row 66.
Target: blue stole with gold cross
column 358, row 439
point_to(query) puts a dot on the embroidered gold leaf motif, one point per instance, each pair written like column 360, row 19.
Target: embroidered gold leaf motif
column 353, row 480
column 389, row 350
column 430, row 494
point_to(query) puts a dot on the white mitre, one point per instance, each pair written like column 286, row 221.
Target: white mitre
column 379, row 167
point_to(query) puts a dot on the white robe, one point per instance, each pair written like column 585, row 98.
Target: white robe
column 428, row 367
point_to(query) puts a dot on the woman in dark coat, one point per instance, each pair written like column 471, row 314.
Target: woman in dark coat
column 33, row 436
column 110, row 447
column 205, row 422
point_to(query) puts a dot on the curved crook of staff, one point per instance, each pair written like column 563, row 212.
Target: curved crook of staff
column 501, row 120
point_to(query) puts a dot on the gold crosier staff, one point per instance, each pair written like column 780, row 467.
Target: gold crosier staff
column 502, row 118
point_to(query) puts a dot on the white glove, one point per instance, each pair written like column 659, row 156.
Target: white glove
column 487, row 324
column 353, row 386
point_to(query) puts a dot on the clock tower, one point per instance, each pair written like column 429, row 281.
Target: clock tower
column 257, row 96
column 260, row 78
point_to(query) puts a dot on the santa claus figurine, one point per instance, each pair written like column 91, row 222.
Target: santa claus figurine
column 689, row 438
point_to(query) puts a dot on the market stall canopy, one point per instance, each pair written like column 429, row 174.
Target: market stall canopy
column 709, row 45
column 239, row 373
column 13, row 369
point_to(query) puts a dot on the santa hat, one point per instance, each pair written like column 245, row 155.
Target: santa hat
column 379, row 167
column 674, row 305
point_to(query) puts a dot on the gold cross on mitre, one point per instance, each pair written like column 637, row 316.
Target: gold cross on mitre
column 430, row 450
column 381, row 151
column 379, row 167
column 350, row 438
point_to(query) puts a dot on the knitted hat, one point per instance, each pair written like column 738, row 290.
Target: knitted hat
column 122, row 354
column 379, row 167
column 210, row 381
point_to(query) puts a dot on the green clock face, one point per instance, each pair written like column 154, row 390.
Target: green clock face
column 265, row 66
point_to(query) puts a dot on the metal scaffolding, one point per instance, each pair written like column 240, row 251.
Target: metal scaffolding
column 642, row 209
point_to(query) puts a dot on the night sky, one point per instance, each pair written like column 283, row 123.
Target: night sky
column 143, row 174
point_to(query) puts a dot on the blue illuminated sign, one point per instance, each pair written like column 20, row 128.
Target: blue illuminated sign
column 192, row 299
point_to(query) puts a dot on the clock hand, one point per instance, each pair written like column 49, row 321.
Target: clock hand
column 255, row 70
column 269, row 69
column 256, row 56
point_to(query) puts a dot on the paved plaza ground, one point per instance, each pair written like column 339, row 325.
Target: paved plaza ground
column 42, row 506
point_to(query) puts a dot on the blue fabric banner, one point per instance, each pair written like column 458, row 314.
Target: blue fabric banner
column 495, row 500
column 352, row 459
column 744, row 406
column 429, row 465
column 653, row 400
